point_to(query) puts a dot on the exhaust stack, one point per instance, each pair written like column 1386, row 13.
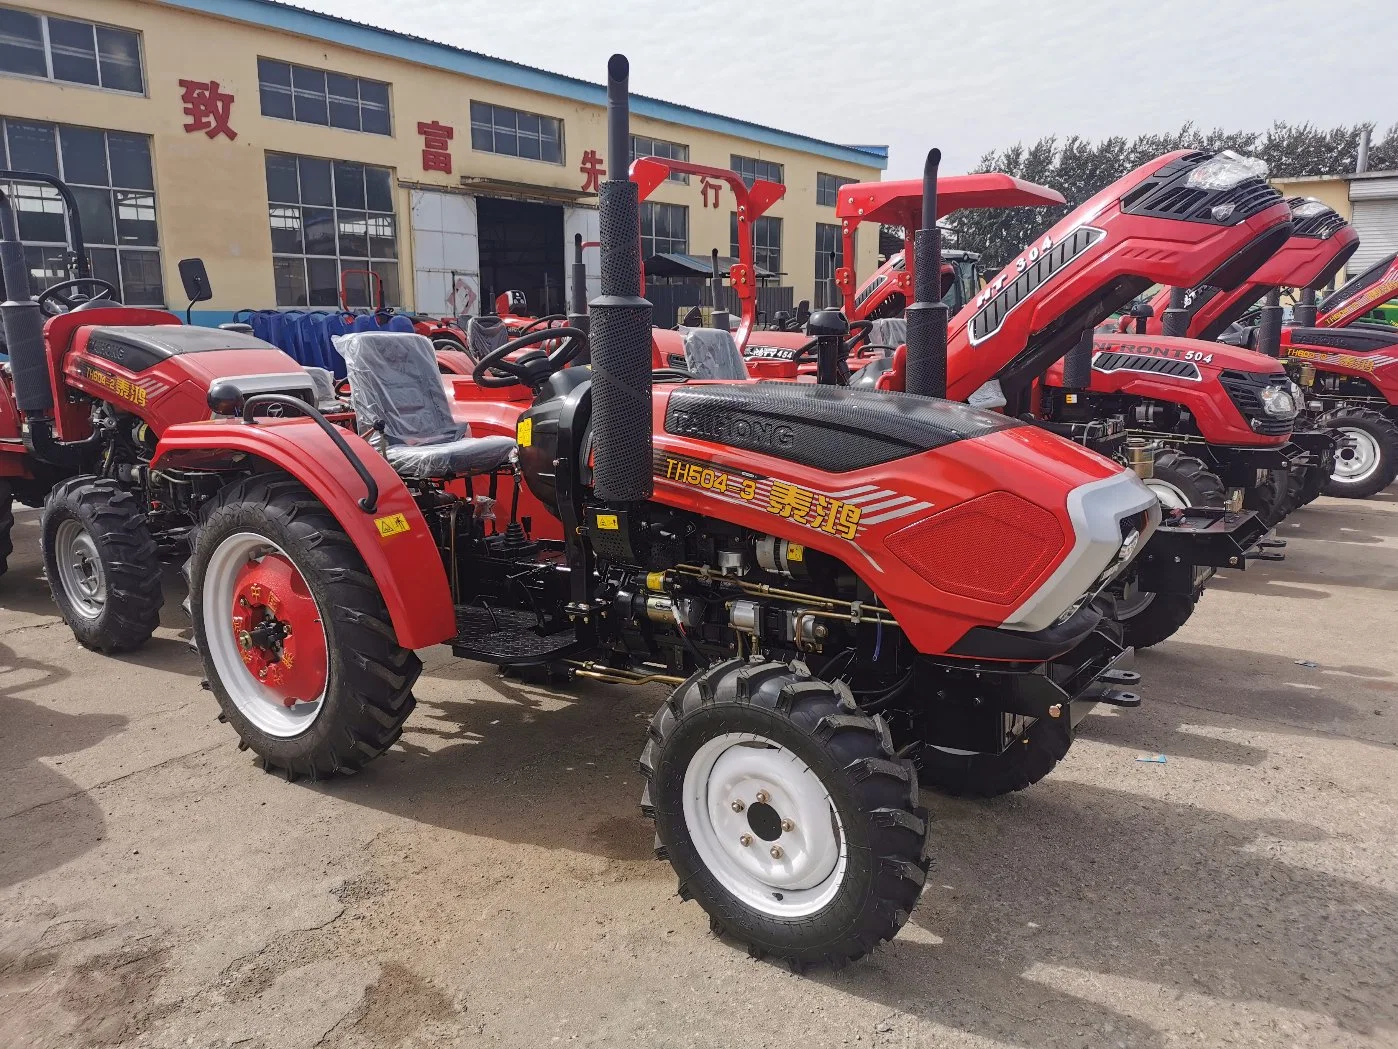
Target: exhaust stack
column 719, row 316
column 1303, row 314
column 1077, row 363
column 22, row 322
column 1174, row 319
column 927, row 316
column 621, row 354
column 1269, row 325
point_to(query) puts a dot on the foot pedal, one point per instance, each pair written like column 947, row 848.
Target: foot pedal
column 1116, row 697
column 1120, row 677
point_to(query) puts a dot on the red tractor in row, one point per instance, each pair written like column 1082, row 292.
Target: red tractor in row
column 720, row 537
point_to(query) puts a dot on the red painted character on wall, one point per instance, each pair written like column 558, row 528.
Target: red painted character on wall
column 436, row 143
column 207, row 108
column 593, row 169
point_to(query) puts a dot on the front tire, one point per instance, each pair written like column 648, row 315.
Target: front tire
column 1180, row 481
column 784, row 812
column 296, row 641
column 1370, row 466
column 103, row 567
column 1022, row 764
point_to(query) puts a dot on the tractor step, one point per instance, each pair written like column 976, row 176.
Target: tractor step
column 506, row 637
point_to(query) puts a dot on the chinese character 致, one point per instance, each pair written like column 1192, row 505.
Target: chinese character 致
column 593, row 169
column 787, row 500
column 707, row 185
column 208, row 108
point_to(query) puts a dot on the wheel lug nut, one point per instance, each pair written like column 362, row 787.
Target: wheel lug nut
column 745, row 840
column 788, row 826
column 762, row 797
column 777, row 852
column 738, row 806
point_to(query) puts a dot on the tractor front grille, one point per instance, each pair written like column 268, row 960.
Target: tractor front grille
column 1245, row 390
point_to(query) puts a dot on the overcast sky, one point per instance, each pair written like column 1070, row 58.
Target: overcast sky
column 963, row 76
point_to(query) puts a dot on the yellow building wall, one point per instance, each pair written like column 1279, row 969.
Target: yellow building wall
column 211, row 193
column 1330, row 190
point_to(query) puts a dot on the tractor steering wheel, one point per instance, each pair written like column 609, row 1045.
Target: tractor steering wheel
column 538, row 322
column 61, row 294
column 493, row 371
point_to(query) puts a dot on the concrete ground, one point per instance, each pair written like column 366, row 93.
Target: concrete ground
column 490, row 881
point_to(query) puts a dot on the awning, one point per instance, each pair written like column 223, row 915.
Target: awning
column 494, row 187
column 674, row 265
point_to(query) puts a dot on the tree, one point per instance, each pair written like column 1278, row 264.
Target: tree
column 1079, row 168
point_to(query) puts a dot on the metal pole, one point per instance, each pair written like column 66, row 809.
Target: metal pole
column 927, row 316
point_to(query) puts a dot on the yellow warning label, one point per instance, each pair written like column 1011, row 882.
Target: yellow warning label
column 524, row 433
column 795, row 552
column 608, row 523
column 394, row 524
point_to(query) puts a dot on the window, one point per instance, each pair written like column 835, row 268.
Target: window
column 664, row 229
column 315, row 96
column 329, row 217
column 111, row 177
column 828, row 188
column 829, row 256
column 70, row 51
column 767, row 241
column 751, row 169
column 658, row 147
column 514, row 133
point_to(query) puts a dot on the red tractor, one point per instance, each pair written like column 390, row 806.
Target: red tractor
column 829, row 578
column 91, row 386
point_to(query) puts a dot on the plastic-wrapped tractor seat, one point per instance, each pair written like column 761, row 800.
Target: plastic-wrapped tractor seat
column 395, row 386
column 711, row 353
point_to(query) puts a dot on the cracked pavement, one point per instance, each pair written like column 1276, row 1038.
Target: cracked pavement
column 490, row 881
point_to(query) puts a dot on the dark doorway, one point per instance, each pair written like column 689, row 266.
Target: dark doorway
column 521, row 249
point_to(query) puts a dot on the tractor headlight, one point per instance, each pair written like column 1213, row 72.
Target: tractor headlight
column 1278, row 402
column 1225, row 171
column 1310, row 209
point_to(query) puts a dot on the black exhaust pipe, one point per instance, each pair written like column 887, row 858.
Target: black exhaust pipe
column 1174, row 320
column 927, row 317
column 1077, row 363
column 719, row 318
column 23, row 323
column 577, row 295
column 621, row 355
column 1269, row 325
column 1303, row 314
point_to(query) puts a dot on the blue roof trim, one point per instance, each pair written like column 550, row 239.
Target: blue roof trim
column 333, row 29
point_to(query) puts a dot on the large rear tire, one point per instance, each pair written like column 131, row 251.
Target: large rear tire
column 1026, row 761
column 295, row 639
column 7, row 524
column 784, row 812
column 1180, row 480
column 1372, row 464
column 103, row 567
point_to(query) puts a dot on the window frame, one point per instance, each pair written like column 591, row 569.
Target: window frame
column 325, row 97
column 737, row 160
column 840, row 182
column 760, row 250
column 112, row 250
column 827, row 294
column 354, row 214
column 49, row 78
column 681, row 177
column 495, row 127
column 650, row 208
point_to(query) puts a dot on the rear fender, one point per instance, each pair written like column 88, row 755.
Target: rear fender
column 394, row 540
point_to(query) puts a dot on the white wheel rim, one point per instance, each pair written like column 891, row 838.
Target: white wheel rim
column 255, row 701
column 1356, row 465
column 1171, row 498
column 80, row 571
column 791, row 875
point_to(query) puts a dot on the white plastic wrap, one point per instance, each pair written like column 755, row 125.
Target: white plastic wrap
column 888, row 331
column 484, row 334
column 711, row 353
column 323, row 381
column 988, row 396
column 395, row 385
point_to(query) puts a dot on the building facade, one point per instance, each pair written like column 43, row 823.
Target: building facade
column 299, row 154
column 1367, row 200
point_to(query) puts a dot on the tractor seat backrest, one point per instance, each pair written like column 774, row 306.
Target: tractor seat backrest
column 484, row 334
column 711, row 353
column 395, row 383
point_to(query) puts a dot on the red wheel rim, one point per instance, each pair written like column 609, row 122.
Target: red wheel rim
column 278, row 629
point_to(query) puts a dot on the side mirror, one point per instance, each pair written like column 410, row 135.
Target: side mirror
column 196, row 280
